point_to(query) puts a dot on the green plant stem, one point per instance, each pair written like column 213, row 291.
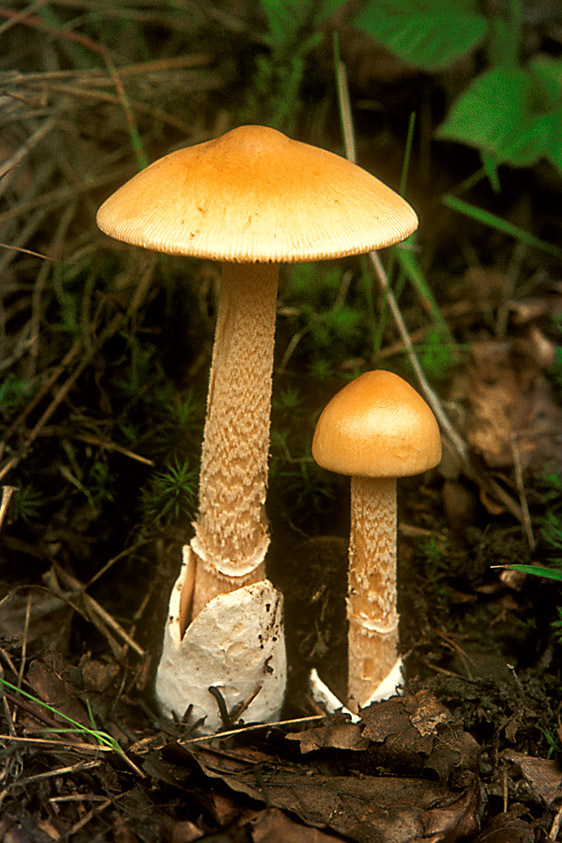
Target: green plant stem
column 505, row 227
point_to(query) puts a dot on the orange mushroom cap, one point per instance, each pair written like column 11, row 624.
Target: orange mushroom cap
column 377, row 426
column 255, row 195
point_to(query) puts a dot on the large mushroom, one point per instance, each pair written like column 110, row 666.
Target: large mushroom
column 250, row 199
column 376, row 429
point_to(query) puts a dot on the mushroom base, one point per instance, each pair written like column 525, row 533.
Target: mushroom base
column 209, row 582
column 329, row 702
column 235, row 645
column 375, row 655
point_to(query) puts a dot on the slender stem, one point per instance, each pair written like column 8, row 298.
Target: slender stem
column 371, row 594
column 231, row 532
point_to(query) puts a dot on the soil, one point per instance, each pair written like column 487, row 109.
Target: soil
column 94, row 353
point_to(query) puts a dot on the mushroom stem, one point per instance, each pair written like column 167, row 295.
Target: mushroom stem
column 371, row 594
column 231, row 531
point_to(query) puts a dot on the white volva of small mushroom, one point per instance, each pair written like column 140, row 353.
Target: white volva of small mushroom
column 250, row 199
column 376, row 429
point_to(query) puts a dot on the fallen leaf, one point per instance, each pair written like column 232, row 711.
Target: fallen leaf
column 47, row 679
column 507, row 828
column 334, row 732
column 543, row 775
column 274, row 826
column 416, row 733
column 365, row 808
column 507, row 396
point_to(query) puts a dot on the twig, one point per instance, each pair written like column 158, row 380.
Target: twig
column 112, row 446
column 457, row 442
column 11, row 164
column 7, row 492
column 24, row 641
column 93, row 607
column 555, row 827
column 255, row 727
column 29, row 252
column 520, row 484
column 110, row 330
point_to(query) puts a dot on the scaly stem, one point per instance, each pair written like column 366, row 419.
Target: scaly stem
column 231, row 531
column 371, row 593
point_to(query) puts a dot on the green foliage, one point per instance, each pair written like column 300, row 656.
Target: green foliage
column 555, row 368
column 154, row 417
column 436, row 565
column 180, row 423
column 170, row 494
column 538, row 571
column 436, row 355
column 291, row 35
column 511, row 113
column 433, row 551
column 320, row 370
column 26, row 503
column 328, row 315
column 429, row 34
column 550, row 527
column 289, row 402
column 551, row 530
column 14, row 391
column 307, row 486
column 103, row 740
column 557, row 625
column 101, row 482
column 553, row 742
column 504, row 226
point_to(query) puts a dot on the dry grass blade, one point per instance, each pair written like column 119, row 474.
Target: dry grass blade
column 91, row 609
column 85, row 360
column 458, row 445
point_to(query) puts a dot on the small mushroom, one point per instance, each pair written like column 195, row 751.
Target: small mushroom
column 250, row 199
column 376, row 429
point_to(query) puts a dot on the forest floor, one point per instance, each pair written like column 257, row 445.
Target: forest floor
column 104, row 363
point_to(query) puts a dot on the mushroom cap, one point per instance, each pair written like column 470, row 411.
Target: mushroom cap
column 377, row 426
column 255, row 195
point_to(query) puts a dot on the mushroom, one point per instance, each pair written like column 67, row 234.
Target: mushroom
column 250, row 199
column 376, row 429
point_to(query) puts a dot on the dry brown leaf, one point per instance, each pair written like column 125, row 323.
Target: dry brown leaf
column 416, row 733
column 508, row 395
column 335, row 732
column 48, row 683
column 508, row 828
column 274, row 826
column 365, row 808
column 543, row 775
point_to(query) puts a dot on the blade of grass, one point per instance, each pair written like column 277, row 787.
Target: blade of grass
column 505, row 227
column 410, row 266
column 104, row 740
column 536, row 570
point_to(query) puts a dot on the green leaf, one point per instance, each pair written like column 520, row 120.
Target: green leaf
column 537, row 570
column 429, row 34
column 548, row 74
column 489, row 112
column 511, row 114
